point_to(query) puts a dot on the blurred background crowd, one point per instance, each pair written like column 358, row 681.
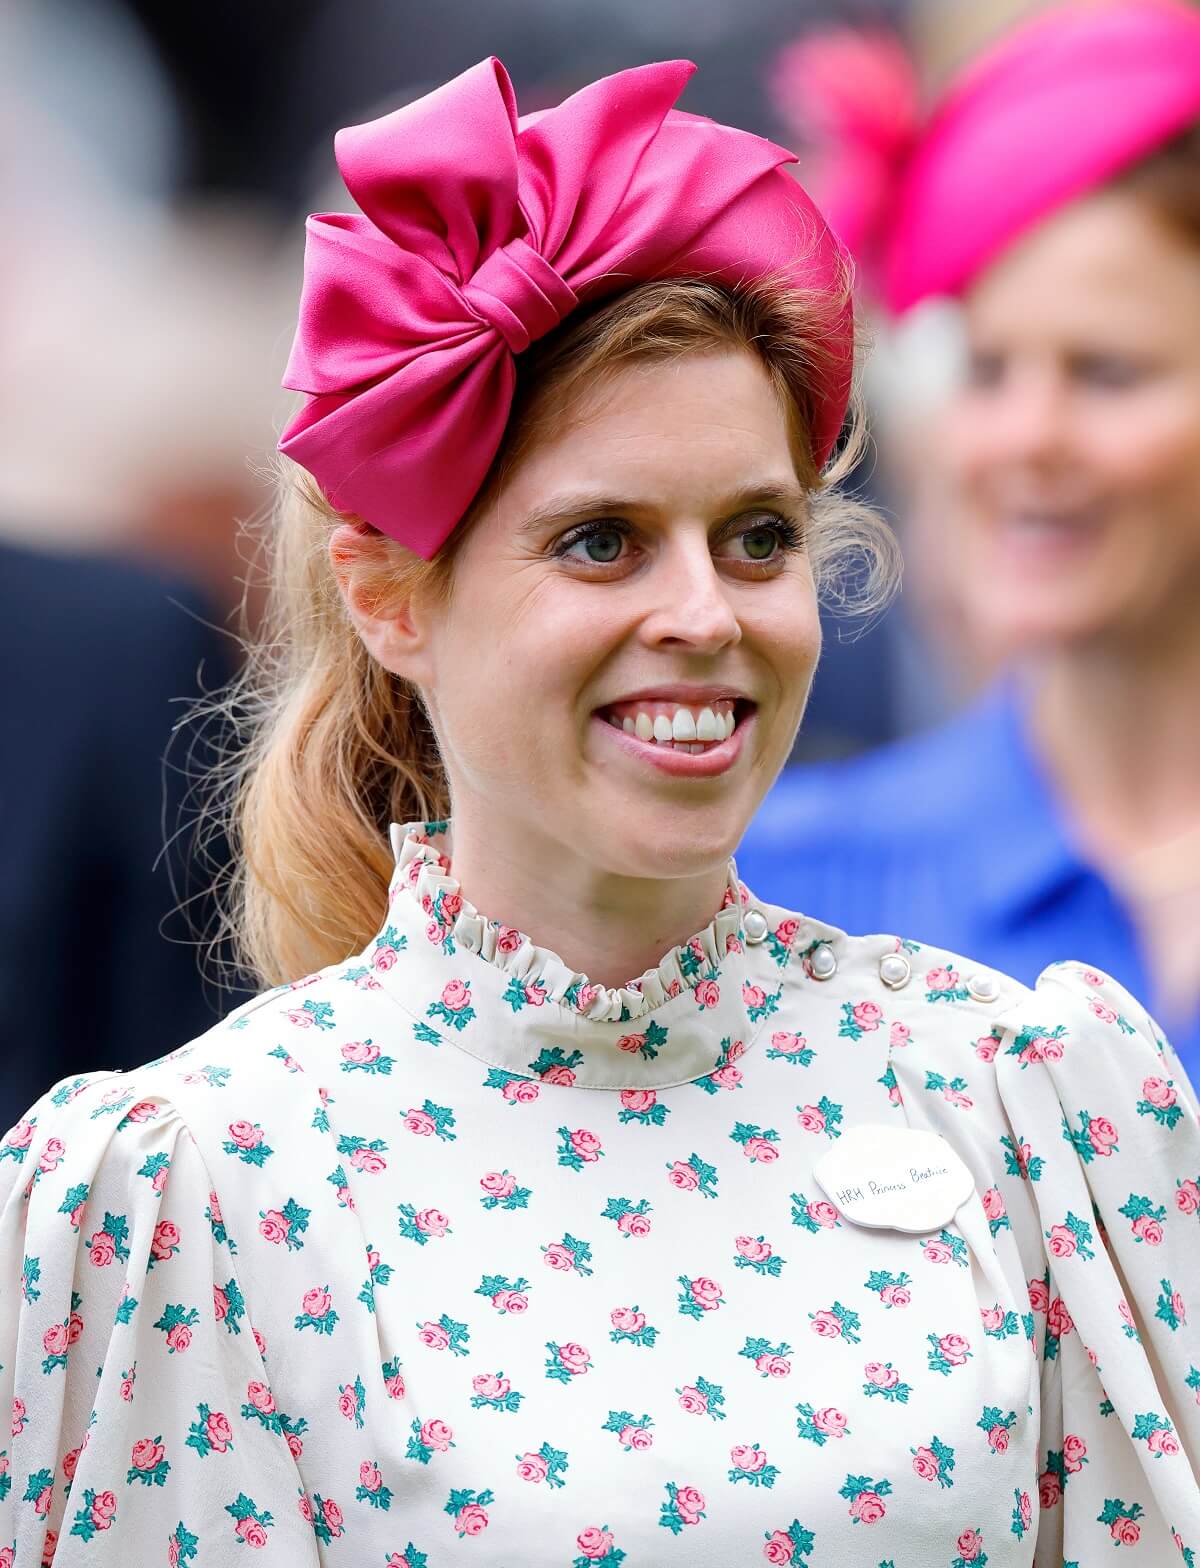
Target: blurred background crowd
column 1005, row 761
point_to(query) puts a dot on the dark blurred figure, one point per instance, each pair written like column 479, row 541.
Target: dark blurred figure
column 1055, row 191
column 98, row 662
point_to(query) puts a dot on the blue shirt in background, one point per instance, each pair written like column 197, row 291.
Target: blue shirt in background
column 952, row 837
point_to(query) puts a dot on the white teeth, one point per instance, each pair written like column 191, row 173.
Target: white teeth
column 663, row 729
column 708, row 726
column 683, row 725
column 644, row 727
column 627, row 725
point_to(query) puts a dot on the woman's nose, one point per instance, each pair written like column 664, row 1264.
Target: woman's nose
column 1026, row 421
column 691, row 607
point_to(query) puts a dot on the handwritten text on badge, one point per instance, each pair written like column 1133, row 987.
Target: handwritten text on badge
column 894, row 1178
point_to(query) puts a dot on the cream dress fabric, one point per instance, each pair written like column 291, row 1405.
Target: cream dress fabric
column 445, row 1256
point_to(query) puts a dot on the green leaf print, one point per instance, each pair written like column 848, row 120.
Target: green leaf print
column 184, row 1544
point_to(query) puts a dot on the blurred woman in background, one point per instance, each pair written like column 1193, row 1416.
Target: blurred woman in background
column 1055, row 191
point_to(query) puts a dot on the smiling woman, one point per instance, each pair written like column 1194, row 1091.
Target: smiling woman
column 514, row 1237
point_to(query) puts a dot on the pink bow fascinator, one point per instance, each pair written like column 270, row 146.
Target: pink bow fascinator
column 479, row 233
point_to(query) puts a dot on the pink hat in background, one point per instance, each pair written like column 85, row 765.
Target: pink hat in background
column 479, row 233
column 1056, row 108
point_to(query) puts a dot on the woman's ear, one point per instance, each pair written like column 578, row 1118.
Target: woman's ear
column 385, row 611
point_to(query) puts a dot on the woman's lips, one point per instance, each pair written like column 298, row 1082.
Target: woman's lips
column 714, row 760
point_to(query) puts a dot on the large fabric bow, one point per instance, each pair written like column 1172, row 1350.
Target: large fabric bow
column 479, row 233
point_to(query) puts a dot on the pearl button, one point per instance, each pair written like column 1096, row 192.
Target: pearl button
column 895, row 971
column 822, row 961
column 983, row 988
column 754, row 924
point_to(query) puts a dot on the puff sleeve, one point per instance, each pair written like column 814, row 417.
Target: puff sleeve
column 143, row 1429
column 1105, row 1129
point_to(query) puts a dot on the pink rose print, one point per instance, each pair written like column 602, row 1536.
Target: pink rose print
column 1102, row 1011
column 882, row 1376
column 471, row 1519
column 102, row 1249
column 1146, row 1228
column 456, row 995
column 68, row 1465
column 636, row 1437
column 369, row 1476
column 51, row 1155
column 785, row 931
column 274, row 1226
column 1161, row 1441
column 780, row 1548
column 560, row 1074
column 432, row 1222
column 831, row 1421
column 899, row 1036
column 18, row 1417
column 434, row 1336
column 21, row 1136
column 1125, row 1531
column 941, row 979
column 1074, row 1452
column 683, row 1175
column 970, row 1544
column 633, row 1224
column 54, row 1340
column 638, row 1099
column 772, row 1365
column 218, row 1431
column 1039, row 1295
column 559, row 1257
column 760, row 1151
column 348, row 1402
column 754, row 1249
column 631, row 1042
column 896, row 1295
column 868, row 1015
column 369, row 1161
column 394, row 1384
column 520, row 1091
column 986, row 1047
column 867, row 1508
column 753, row 995
column 576, row 1358
column 627, row 1320
column 693, row 1401
column 1102, row 1135
column 489, row 1386
column 1187, row 1197
column 104, row 1506
column 164, row 1240
column 532, row 1467
column 510, row 1300
column 708, row 993
column 594, row 1543
column 689, row 1503
column 937, row 1251
column 1058, row 1319
column 147, row 1454
column 992, row 1318
column 1159, row 1092
column 437, row 1435
column 826, row 1325
column 498, row 1183
column 586, row 1144
column 925, row 1464
column 245, row 1134
column 954, row 1348
column 316, row 1302
column 706, row 1291
column 508, row 940
column 998, row 1439
column 993, row 1204
column 727, row 1077
column 1049, row 1489
column 745, row 1458
column 362, row 1052
column 179, row 1337
column 812, row 1118
column 251, row 1532
column 261, row 1397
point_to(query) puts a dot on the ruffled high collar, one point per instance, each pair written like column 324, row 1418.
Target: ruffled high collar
column 480, row 985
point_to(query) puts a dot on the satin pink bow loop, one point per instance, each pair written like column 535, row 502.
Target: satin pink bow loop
column 479, row 233
column 520, row 294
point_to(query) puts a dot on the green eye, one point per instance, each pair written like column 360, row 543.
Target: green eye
column 604, row 546
column 760, row 543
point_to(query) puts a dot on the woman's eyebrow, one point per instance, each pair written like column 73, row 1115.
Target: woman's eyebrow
column 567, row 508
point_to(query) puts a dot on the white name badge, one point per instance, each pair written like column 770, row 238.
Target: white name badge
column 894, row 1178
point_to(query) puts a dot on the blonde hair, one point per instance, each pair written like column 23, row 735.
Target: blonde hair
column 328, row 747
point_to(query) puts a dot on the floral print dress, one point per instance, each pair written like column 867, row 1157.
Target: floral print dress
column 446, row 1256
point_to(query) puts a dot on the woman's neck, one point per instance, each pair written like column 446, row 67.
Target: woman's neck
column 611, row 928
column 1118, row 728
